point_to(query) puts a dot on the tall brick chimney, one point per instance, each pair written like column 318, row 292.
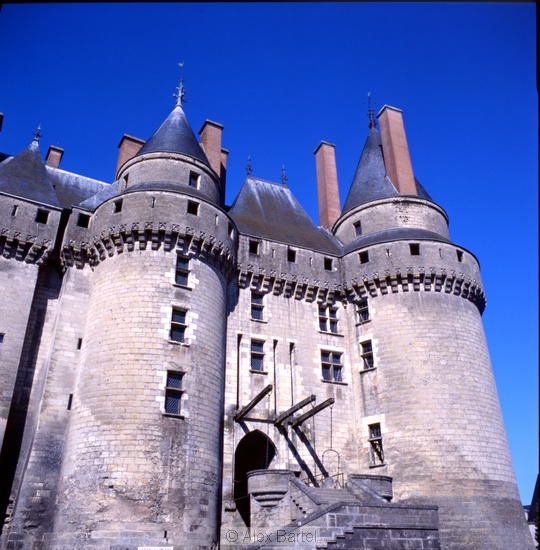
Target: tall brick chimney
column 54, row 156
column 327, row 184
column 129, row 146
column 211, row 141
column 397, row 159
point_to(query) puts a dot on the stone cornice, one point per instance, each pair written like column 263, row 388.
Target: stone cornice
column 24, row 246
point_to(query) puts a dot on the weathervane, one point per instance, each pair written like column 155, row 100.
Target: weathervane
column 37, row 133
column 181, row 92
column 283, row 175
column 248, row 167
column 372, row 121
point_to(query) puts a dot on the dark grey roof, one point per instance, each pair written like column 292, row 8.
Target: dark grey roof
column 395, row 234
column 72, row 189
column 175, row 135
column 25, row 176
column 370, row 181
column 270, row 211
column 106, row 193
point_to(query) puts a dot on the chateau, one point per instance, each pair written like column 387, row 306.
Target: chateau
column 179, row 373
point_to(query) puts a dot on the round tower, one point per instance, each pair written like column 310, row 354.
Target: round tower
column 430, row 415
column 143, row 457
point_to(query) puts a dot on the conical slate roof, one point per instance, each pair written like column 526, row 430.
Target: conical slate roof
column 370, row 181
column 175, row 135
column 26, row 176
column 270, row 211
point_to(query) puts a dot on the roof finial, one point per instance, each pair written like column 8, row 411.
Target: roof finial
column 181, row 92
column 248, row 167
column 371, row 115
column 37, row 133
column 283, row 175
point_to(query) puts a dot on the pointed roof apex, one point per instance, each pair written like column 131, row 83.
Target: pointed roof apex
column 175, row 135
column 26, row 176
column 181, row 92
column 371, row 113
column 37, row 133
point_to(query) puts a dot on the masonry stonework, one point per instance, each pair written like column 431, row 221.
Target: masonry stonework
column 178, row 372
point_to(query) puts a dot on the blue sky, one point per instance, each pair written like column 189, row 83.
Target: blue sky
column 281, row 77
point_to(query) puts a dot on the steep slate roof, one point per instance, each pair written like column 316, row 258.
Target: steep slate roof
column 26, row 176
column 175, row 135
column 72, row 189
column 370, row 181
column 270, row 211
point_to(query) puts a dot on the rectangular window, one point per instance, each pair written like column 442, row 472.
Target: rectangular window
column 257, row 355
column 173, row 392
column 328, row 319
column 194, row 180
column 83, row 220
column 182, row 271
column 14, row 210
column 328, row 264
column 459, row 255
column 42, row 216
column 2, row 337
column 193, row 208
column 331, row 366
column 357, row 229
column 254, row 247
column 375, row 440
column 364, row 257
column 117, row 206
column 178, row 325
column 367, row 355
column 291, row 255
column 257, row 306
column 415, row 249
column 362, row 311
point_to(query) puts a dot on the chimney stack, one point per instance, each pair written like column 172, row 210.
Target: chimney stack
column 327, row 184
column 129, row 146
column 211, row 141
column 54, row 156
column 397, row 159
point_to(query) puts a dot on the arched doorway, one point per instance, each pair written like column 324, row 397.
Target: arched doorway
column 254, row 452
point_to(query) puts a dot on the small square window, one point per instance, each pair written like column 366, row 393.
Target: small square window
column 42, row 216
column 173, row 392
column 375, row 440
column 193, row 208
column 415, row 249
column 459, row 254
column 194, row 180
column 182, row 271
column 117, row 206
column 178, row 325
column 364, row 257
column 331, row 366
column 291, row 255
column 257, row 355
column 328, row 264
column 362, row 311
column 357, row 226
column 367, row 355
column 83, row 220
column 257, row 306
column 328, row 319
column 254, row 247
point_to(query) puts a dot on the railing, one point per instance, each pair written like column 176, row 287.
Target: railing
column 337, row 481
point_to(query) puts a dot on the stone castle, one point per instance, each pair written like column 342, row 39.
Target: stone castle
column 178, row 373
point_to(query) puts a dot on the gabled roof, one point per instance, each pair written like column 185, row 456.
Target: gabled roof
column 370, row 181
column 26, row 176
column 270, row 211
column 175, row 135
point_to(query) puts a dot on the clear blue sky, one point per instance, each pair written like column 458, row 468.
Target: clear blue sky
column 281, row 77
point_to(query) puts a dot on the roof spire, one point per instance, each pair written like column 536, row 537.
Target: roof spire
column 371, row 112
column 37, row 133
column 248, row 167
column 181, row 92
column 283, row 175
